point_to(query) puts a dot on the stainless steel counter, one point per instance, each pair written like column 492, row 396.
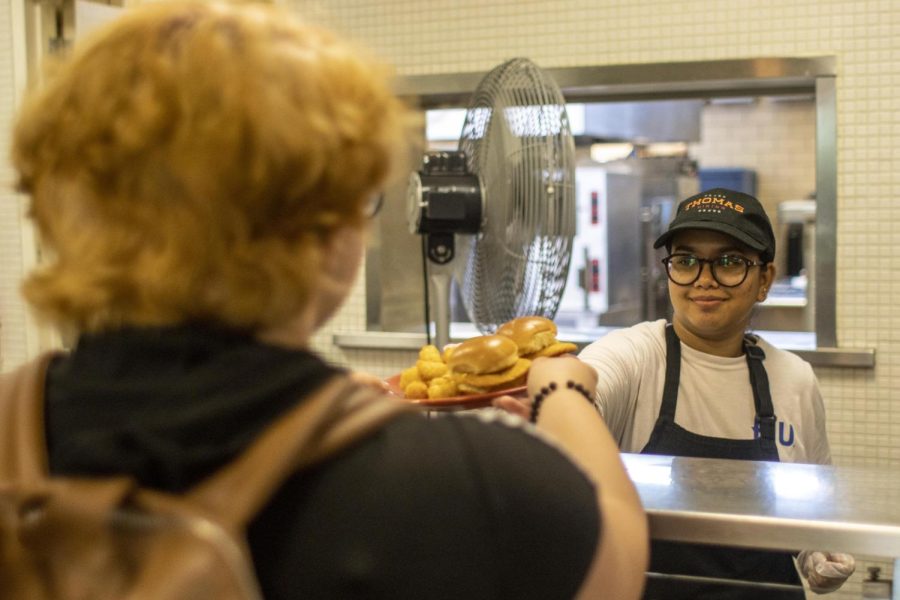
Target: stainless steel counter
column 801, row 343
column 770, row 505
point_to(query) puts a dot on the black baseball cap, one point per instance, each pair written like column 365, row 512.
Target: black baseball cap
column 733, row 213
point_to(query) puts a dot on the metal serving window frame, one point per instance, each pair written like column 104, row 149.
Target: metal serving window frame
column 720, row 78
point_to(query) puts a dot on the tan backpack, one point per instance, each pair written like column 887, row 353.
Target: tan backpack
column 68, row 538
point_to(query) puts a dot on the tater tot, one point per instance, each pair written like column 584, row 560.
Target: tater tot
column 417, row 390
column 428, row 370
column 430, row 353
column 441, row 387
column 408, row 376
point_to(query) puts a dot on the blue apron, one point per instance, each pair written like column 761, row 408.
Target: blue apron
column 668, row 438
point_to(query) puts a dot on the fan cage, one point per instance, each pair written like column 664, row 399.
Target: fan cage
column 517, row 137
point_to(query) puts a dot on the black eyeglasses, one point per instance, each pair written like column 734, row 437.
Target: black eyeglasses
column 373, row 206
column 728, row 270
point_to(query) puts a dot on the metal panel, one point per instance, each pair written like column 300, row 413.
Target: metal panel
column 623, row 252
column 838, row 357
column 383, row 340
column 652, row 121
column 653, row 80
column 394, row 279
column 825, row 291
column 770, row 505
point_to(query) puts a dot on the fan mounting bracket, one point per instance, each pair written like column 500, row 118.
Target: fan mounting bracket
column 440, row 247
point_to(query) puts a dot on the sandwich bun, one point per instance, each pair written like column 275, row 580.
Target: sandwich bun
column 530, row 334
column 487, row 363
column 535, row 336
column 483, row 354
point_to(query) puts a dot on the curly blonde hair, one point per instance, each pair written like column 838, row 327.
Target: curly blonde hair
column 187, row 162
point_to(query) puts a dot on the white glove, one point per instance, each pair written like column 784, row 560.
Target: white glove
column 825, row 571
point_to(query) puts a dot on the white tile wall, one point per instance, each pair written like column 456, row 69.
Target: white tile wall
column 774, row 137
column 422, row 37
column 15, row 325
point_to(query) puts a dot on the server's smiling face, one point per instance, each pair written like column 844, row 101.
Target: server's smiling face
column 706, row 310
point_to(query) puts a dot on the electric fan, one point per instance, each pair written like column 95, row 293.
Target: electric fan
column 498, row 215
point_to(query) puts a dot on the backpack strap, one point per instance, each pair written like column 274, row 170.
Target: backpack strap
column 23, row 452
column 340, row 413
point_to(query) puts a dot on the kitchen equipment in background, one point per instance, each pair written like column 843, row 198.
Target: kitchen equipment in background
column 793, row 249
column 797, row 229
column 642, row 122
column 656, row 213
column 741, row 180
column 797, row 221
column 665, row 181
column 498, row 216
column 790, row 303
column 605, row 277
column 876, row 588
column 623, row 206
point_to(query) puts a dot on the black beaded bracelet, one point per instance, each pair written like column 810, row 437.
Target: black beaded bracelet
column 552, row 387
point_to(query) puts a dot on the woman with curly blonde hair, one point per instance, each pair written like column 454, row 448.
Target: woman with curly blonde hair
column 202, row 175
column 188, row 169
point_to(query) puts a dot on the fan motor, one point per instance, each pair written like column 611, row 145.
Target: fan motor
column 444, row 198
